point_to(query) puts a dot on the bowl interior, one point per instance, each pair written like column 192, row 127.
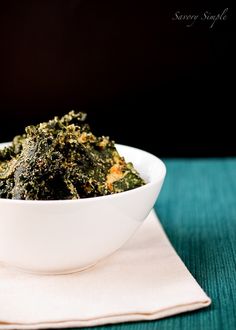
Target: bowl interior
column 149, row 166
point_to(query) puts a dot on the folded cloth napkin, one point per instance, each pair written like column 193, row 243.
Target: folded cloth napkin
column 144, row 280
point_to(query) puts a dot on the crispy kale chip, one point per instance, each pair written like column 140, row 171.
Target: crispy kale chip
column 63, row 159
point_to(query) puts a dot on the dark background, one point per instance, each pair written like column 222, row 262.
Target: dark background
column 144, row 79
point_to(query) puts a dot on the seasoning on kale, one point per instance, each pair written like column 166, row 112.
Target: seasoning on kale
column 62, row 159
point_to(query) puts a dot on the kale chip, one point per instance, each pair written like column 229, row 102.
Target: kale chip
column 62, row 159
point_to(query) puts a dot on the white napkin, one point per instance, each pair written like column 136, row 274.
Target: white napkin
column 145, row 280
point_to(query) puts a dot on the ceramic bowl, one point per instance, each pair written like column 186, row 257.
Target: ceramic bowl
column 58, row 237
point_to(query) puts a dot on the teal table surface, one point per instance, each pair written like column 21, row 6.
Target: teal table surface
column 197, row 208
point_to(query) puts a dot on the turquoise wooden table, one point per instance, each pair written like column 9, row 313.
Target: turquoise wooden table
column 197, row 208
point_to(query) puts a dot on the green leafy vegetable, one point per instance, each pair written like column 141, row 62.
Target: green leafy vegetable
column 63, row 159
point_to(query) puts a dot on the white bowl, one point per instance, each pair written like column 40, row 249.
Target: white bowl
column 66, row 236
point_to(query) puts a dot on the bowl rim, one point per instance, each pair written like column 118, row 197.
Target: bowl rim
column 98, row 198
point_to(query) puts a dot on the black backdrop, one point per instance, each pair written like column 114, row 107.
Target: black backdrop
column 122, row 62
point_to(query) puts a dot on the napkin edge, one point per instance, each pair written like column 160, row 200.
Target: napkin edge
column 112, row 319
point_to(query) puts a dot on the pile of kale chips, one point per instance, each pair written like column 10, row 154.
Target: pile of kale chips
column 62, row 159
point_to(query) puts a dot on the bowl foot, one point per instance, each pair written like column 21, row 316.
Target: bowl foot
column 39, row 272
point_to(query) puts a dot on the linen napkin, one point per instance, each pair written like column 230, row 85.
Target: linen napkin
column 144, row 280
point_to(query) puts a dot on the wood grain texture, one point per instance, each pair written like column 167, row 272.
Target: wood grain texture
column 197, row 208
